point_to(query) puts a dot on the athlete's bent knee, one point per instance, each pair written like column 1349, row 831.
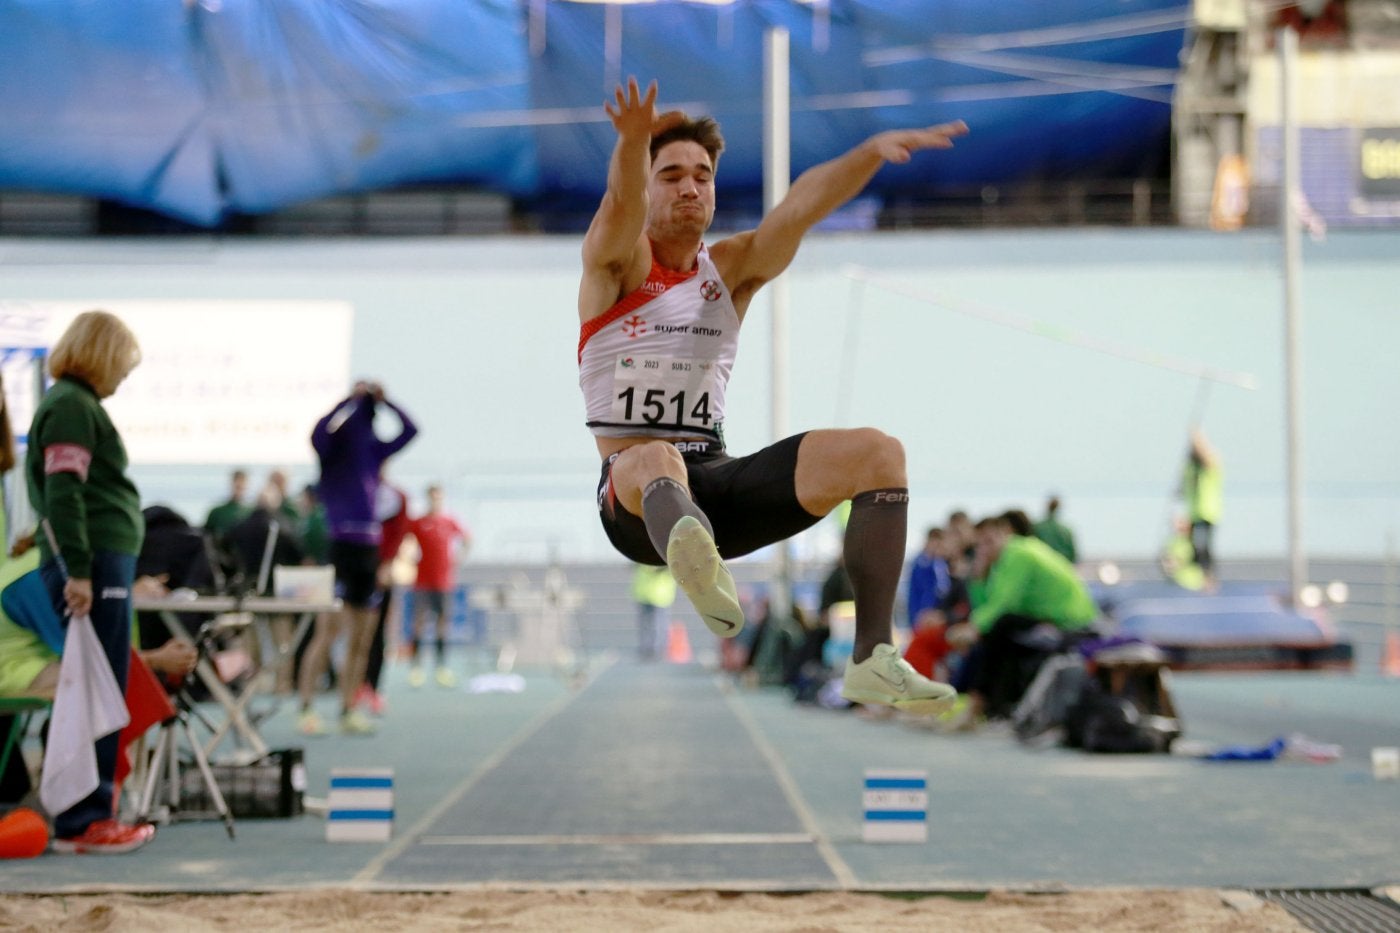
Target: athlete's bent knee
column 883, row 458
column 654, row 458
column 638, row 465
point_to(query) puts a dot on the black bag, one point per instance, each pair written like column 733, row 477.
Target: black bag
column 273, row 787
column 1100, row 722
column 1055, row 690
column 1125, row 706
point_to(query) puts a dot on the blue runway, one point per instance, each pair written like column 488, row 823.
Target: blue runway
column 668, row 776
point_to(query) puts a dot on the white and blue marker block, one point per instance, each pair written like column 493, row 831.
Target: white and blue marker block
column 896, row 806
column 360, row 807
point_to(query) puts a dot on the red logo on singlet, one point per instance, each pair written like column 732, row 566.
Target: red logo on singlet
column 709, row 290
column 634, row 326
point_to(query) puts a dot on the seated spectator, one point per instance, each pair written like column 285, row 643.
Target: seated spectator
column 1027, row 586
column 1178, row 557
column 929, row 579
column 929, row 591
column 265, row 526
column 29, row 667
column 177, row 556
column 806, row 663
column 1018, row 523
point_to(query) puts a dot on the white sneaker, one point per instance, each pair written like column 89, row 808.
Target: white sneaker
column 695, row 563
column 886, row 679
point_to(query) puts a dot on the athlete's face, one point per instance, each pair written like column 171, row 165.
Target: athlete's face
column 682, row 190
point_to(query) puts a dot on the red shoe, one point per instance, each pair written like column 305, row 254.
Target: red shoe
column 369, row 698
column 106, row 837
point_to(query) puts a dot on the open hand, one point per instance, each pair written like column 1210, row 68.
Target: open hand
column 636, row 112
column 898, row 146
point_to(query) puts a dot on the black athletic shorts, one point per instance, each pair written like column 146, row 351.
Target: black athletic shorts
column 356, row 569
column 750, row 501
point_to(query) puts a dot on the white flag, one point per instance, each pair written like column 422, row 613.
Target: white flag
column 87, row 705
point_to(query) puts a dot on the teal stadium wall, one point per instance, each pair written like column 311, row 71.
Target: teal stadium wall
column 478, row 337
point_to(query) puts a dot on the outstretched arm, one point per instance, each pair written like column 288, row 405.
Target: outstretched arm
column 748, row 260
column 612, row 246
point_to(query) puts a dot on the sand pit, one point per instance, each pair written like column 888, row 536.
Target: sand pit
column 1199, row 911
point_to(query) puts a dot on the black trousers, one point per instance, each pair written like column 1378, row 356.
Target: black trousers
column 1000, row 666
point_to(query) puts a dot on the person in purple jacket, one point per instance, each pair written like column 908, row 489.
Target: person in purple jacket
column 351, row 457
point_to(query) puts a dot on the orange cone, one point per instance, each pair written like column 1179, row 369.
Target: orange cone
column 678, row 644
column 1390, row 662
column 23, row 834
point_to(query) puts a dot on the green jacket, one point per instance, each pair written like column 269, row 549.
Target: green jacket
column 1205, row 492
column 23, row 653
column 315, row 535
column 1179, row 562
column 223, row 517
column 1058, row 535
column 1029, row 579
column 653, row 586
column 75, row 467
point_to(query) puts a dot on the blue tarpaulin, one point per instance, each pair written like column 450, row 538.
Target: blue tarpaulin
column 204, row 108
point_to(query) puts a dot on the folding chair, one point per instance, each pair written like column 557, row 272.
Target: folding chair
column 23, row 710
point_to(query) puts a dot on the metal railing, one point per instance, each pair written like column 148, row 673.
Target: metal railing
column 448, row 211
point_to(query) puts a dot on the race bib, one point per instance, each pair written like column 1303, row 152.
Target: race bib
column 659, row 391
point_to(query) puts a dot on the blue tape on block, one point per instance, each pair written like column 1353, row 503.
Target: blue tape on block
column 895, row 783
column 360, row 815
column 361, row 782
column 911, row 815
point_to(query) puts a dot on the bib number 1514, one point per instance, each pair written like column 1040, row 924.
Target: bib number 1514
column 661, row 391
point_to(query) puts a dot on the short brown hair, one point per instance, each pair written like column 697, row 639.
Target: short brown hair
column 96, row 348
column 703, row 130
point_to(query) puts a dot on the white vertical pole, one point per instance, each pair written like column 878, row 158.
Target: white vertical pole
column 777, row 174
column 612, row 48
column 536, row 26
column 1292, row 341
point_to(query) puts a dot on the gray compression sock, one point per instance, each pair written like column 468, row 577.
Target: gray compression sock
column 874, row 554
column 664, row 501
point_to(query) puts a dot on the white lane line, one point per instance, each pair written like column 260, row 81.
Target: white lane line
column 844, row 876
column 626, row 839
column 402, row 842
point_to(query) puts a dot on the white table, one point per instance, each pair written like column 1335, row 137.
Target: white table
column 257, row 608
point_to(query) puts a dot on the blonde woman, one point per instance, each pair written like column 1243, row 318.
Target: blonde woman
column 76, row 469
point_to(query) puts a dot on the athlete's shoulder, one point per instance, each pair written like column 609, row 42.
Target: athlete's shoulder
column 731, row 249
